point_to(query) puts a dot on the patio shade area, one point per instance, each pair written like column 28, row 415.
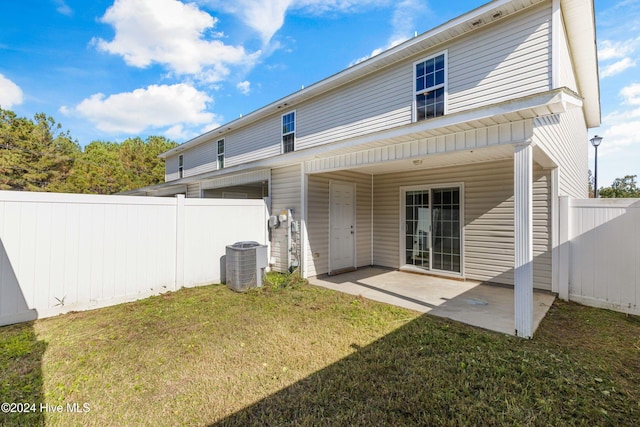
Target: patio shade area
column 482, row 305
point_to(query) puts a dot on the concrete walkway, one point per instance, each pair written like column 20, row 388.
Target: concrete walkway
column 485, row 306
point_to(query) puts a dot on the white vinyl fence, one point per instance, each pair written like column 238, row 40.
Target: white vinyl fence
column 600, row 253
column 63, row 252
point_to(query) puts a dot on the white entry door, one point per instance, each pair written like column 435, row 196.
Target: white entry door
column 341, row 226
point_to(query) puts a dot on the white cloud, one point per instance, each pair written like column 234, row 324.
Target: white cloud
column 318, row 7
column 631, row 94
column 244, row 87
column 154, row 107
column 620, row 128
column 608, row 49
column 266, row 17
column 173, row 34
column 10, row 93
column 403, row 25
column 617, row 67
column 63, row 8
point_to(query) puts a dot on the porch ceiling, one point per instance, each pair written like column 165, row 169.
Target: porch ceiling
column 488, row 154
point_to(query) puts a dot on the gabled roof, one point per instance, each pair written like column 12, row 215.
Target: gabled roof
column 579, row 20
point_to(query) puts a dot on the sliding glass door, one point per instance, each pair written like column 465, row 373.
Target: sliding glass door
column 431, row 231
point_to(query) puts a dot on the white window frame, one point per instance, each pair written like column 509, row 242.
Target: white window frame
column 218, row 154
column 180, row 166
column 283, row 134
column 445, row 85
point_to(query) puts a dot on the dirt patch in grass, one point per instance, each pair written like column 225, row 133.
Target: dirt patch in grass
column 301, row 355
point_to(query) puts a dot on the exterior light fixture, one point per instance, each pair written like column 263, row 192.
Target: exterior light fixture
column 595, row 141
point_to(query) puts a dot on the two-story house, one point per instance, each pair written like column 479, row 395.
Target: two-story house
column 444, row 155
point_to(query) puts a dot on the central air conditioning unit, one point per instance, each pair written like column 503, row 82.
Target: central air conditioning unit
column 246, row 264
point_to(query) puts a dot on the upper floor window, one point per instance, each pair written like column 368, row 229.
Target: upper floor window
column 180, row 166
column 220, row 153
column 288, row 132
column 430, row 86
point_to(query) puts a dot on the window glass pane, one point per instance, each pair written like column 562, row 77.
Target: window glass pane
column 455, row 264
column 419, row 84
column 429, row 111
column 446, row 197
column 430, row 80
column 288, row 143
column 288, row 123
column 430, row 66
column 439, row 62
column 440, row 77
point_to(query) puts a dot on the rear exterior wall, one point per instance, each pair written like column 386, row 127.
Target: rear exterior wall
column 488, row 234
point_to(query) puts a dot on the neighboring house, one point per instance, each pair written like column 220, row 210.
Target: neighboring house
column 445, row 154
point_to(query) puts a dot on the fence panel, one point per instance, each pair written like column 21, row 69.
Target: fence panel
column 604, row 247
column 63, row 252
column 211, row 225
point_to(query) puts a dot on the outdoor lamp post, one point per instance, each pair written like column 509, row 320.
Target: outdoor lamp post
column 595, row 141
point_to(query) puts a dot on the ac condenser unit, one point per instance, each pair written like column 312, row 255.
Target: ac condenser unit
column 246, row 264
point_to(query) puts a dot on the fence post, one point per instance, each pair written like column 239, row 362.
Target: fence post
column 563, row 258
column 179, row 282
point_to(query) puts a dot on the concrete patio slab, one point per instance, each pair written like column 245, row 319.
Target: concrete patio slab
column 486, row 306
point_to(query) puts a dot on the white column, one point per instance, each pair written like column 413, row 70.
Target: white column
column 304, row 186
column 523, row 221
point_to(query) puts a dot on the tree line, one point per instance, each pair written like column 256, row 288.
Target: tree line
column 37, row 155
column 626, row 187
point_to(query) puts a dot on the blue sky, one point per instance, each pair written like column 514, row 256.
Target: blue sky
column 111, row 69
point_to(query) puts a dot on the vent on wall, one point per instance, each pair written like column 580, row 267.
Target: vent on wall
column 246, row 263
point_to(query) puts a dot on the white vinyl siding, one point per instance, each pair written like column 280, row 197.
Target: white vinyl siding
column 200, row 159
column 254, row 142
column 379, row 102
column 488, row 235
column 567, row 75
column 171, row 169
column 505, row 61
column 564, row 137
column 318, row 219
column 193, row 190
column 285, row 188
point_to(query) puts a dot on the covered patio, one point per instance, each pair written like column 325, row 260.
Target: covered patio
column 487, row 306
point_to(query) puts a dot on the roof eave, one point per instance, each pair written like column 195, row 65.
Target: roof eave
column 579, row 17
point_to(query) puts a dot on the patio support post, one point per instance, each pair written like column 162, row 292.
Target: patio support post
column 523, row 221
column 304, row 189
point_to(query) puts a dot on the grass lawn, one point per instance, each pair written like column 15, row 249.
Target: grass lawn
column 310, row 356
